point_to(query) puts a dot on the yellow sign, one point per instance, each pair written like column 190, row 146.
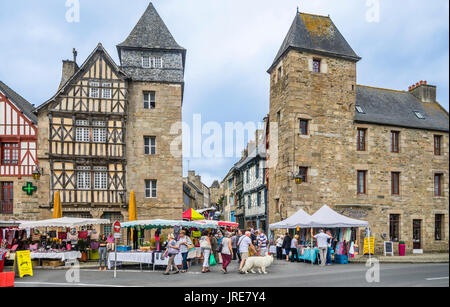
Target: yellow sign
column 22, row 264
column 372, row 246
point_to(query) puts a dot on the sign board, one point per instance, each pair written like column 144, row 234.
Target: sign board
column 117, row 227
column 388, row 248
column 369, row 246
column 22, row 264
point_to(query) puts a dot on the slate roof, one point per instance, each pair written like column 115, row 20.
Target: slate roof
column 396, row 108
column 315, row 34
column 257, row 152
column 21, row 103
column 151, row 32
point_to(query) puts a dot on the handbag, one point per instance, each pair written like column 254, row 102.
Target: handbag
column 204, row 244
column 192, row 254
column 212, row 260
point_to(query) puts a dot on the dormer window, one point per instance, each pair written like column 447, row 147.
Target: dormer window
column 94, row 91
column 316, row 65
column 152, row 62
column 146, row 62
column 419, row 115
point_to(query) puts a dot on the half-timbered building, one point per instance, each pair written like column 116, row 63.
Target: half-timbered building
column 18, row 159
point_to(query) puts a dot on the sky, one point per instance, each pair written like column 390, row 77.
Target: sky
column 230, row 45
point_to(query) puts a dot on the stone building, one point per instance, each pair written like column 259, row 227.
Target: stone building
column 375, row 154
column 196, row 193
column 107, row 130
column 18, row 159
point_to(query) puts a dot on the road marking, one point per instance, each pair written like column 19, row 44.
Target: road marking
column 71, row 284
column 439, row 278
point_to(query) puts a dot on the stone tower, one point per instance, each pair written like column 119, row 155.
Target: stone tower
column 155, row 63
column 312, row 98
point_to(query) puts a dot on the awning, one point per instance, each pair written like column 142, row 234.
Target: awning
column 164, row 224
column 328, row 218
column 67, row 222
column 219, row 223
column 201, row 211
column 6, row 224
column 299, row 219
column 192, row 215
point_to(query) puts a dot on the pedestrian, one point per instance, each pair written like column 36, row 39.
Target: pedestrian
column 322, row 243
column 214, row 247
column 287, row 245
column 205, row 245
column 294, row 249
column 234, row 245
column 184, row 242
column 245, row 243
column 219, row 237
column 262, row 243
column 102, row 250
column 238, row 236
column 279, row 244
column 226, row 252
column 330, row 248
column 173, row 251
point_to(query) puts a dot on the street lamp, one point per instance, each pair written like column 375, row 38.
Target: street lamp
column 36, row 174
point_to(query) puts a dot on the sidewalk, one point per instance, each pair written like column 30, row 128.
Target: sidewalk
column 425, row 258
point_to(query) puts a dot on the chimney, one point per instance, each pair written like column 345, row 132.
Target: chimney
column 423, row 91
column 69, row 69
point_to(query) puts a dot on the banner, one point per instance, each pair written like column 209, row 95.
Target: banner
column 372, row 246
column 22, row 263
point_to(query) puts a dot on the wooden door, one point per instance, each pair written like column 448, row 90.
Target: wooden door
column 417, row 234
column 7, row 197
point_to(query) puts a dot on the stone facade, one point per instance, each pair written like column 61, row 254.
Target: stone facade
column 198, row 191
column 326, row 99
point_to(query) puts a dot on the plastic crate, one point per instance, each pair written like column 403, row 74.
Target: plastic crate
column 7, row 280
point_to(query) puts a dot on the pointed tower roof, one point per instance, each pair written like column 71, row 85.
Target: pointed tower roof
column 315, row 34
column 151, row 32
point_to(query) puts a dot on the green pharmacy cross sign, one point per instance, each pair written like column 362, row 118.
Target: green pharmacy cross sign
column 29, row 188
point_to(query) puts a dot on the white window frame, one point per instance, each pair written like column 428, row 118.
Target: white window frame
column 82, row 134
column 151, row 189
column 157, row 62
column 100, row 178
column 84, row 180
column 151, row 146
column 94, row 90
column 106, row 91
column 150, row 101
column 99, row 135
column 146, row 62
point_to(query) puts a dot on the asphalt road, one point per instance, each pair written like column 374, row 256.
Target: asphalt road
column 281, row 274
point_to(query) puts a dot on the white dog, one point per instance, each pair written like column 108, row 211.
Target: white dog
column 260, row 263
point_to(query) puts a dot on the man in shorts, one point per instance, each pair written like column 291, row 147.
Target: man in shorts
column 245, row 242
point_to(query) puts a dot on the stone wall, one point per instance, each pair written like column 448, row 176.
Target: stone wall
column 327, row 100
column 25, row 207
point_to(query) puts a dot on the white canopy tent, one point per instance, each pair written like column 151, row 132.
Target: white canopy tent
column 64, row 222
column 328, row 218
column 299, row 219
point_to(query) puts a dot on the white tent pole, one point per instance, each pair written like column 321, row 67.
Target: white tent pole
column 312, row 248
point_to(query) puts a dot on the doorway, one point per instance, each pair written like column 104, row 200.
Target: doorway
column 7, row 198
column 417, row 234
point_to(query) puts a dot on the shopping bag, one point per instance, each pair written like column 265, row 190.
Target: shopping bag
column 212, row 260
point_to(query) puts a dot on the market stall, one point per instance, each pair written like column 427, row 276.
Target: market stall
column 151, row 253
column 62, row 240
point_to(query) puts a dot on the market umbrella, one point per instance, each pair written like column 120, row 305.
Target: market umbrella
column 57, row 210
column 192, row 215
column 132, row 213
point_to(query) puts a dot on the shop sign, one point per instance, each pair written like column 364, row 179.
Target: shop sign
column 22, row 264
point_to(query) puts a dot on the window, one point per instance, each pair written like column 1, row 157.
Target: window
column 149, row 100
column 106, row 91
column 359, row 109
column 361, row 146
column 394, row 227
column 112, row 217
column 249, row 201
column 84, row 180
column 361, row 185
column 280, row 72
column 230, row 184
column 395, row 140
column 395, row 183
column 150, row 188
column 157, row 62
column 146, row 62
column 438, row 184
column 7, row 197
column 258, row 200
column 99, row 134
column 150, row 145
column 316, row 65
column 100, row 178
column 247, row 173
column 10, row 154
column 82, row 134
column 94, row 90
column 304, row 126
column 303, row 172
column 419, row 115
column 437, row 145
column 438, row 226
column 257, row 170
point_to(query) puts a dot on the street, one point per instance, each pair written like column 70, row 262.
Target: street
column 281, row 274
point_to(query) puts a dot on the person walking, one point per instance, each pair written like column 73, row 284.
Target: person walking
column 238, row 237
column 173, row 251
column 287, row 245
column 214, row 247
column 262, row 243
column 205, row 245
column 322, row 243
column 226, row 252
column 234, row 245
column 102, row 250
column 279, row 244
column 184, row 242
column 245, row 243
column 294, row 249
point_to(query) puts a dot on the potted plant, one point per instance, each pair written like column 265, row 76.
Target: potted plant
column 82, row 245
column 402, row 248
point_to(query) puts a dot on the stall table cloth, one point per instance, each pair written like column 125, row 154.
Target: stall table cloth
column 130, row 257
column 308, row 255
column 64, row 256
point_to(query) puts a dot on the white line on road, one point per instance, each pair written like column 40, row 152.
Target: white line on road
column 71, row 284
column 439, row 278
